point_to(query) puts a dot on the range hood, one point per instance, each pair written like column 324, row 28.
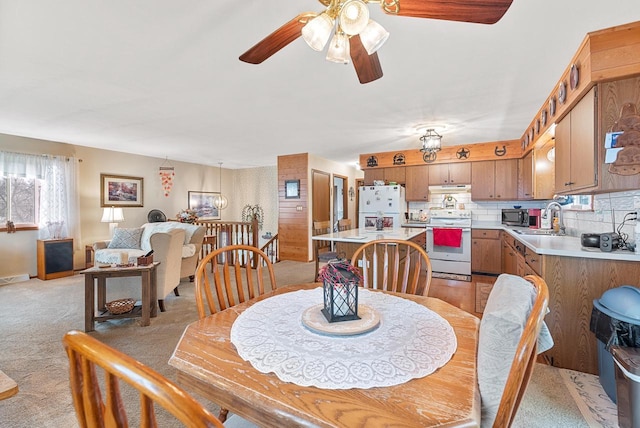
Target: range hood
column 450, row 189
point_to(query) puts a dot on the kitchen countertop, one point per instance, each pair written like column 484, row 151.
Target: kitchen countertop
column 568, row 246
column 365, row 235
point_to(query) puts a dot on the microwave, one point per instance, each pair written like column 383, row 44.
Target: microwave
column 515, row 217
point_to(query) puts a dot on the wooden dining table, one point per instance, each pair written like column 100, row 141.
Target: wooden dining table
column 208, row 364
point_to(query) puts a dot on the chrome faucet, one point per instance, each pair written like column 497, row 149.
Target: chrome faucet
column 547, row 209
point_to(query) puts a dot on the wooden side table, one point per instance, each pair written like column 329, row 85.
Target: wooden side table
column 95, row 274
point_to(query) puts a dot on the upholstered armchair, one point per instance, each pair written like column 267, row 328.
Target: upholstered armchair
column 167, row 249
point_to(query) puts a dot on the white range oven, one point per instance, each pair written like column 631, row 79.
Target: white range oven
column 449, row 241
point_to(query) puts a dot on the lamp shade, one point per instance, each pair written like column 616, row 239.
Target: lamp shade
column 317, row 31
column 339, row 49
column 353, row 17
column 112, row 215
column 373, row 36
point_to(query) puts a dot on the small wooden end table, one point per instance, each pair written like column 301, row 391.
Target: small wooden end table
column 149, row 307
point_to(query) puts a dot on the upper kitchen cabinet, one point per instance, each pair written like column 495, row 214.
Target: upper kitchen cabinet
column 536, row 171
column 575, row 147
column 494, row 180
column 417, row 183
column 396, row 174
column 450, row 173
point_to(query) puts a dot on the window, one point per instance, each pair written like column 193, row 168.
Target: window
column 19, row 201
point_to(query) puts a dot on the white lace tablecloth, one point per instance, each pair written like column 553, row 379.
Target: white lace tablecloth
column 411, row 342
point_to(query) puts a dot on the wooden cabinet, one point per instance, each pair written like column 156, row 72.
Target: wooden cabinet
column 450, row 173
column 525, row 177
column 575, row 147
column 417, row 183
column 55, row 258
column 485, row 251
column 396, row 174
column 509, row 256
column 494, row 180
column 371, row 175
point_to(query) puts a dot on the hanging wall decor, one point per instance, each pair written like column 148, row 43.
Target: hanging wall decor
column 628, row 160
column 167, row 172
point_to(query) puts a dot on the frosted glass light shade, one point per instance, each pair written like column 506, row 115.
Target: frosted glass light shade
column 220, row 202
column 339, row 49
column 112, row 215
column 317, row 31
column 373, row 36
column 354, row 16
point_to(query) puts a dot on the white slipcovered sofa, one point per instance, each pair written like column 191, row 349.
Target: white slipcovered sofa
column 175, row 245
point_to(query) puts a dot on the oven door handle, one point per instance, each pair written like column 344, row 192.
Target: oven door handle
column 464, row 229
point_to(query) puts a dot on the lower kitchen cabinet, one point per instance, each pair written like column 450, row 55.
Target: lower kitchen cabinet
column 485, row 251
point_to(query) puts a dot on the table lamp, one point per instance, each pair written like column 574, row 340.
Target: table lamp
column 113, row 216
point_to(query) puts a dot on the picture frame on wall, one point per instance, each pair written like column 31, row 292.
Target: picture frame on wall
column 203, row 204
column 292, row 189
column 121, row 191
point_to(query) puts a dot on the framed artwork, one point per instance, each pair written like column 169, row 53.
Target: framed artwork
column 292, row 189
column 203, row 204
column 121, row 191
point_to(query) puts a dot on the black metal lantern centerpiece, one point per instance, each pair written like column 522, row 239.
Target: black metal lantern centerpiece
column 340, row 282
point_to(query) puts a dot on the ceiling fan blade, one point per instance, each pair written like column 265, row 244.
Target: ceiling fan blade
column 478, row 11
column 367, row 66
column 277, row 40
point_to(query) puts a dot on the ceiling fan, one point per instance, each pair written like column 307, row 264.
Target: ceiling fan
column 357, row 37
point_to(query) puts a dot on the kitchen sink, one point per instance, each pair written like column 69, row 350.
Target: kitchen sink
column 543, row 232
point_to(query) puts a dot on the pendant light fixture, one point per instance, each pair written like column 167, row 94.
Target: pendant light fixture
column 431, row 141
column 220, row 201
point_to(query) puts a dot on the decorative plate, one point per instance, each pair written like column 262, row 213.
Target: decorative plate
column 537, row 126
column 531, row 135
column 314, row 320
column 574, row 77
column 562, row 92
column 543, row 116
column 523, row 143
column 526, row 140
column 552, row 106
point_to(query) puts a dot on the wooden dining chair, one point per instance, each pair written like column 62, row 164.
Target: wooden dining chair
column 86, row 354
column 394, row 265
column 322, row 250
column 231, row 275
column 228, row 276
column 509, row 331
column 344, row 224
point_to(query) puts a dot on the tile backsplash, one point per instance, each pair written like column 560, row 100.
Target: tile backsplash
column 596, row 221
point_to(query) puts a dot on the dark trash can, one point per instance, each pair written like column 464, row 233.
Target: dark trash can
column 615, row 320
column 627, row 385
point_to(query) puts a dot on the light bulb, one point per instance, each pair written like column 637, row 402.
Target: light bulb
column 353, row 17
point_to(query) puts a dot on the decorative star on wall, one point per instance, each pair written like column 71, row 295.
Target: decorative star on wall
column 463, row 153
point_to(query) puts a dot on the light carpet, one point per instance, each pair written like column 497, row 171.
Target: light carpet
column 34, row 315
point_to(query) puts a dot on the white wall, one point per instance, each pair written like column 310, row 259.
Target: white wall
column 246, row 186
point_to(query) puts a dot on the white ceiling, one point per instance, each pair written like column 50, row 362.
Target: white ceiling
column 162, row 77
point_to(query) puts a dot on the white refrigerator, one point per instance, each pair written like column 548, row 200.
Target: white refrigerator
column 389, row 200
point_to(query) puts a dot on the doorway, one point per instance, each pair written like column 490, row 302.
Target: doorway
column 321, row 199
column 340, row 202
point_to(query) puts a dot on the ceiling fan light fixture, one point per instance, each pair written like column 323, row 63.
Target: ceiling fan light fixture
column 354, row 17
column 339, row 50
column 317, row 31
column 373, row 36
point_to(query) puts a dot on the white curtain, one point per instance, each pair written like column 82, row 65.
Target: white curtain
column 59, row 199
